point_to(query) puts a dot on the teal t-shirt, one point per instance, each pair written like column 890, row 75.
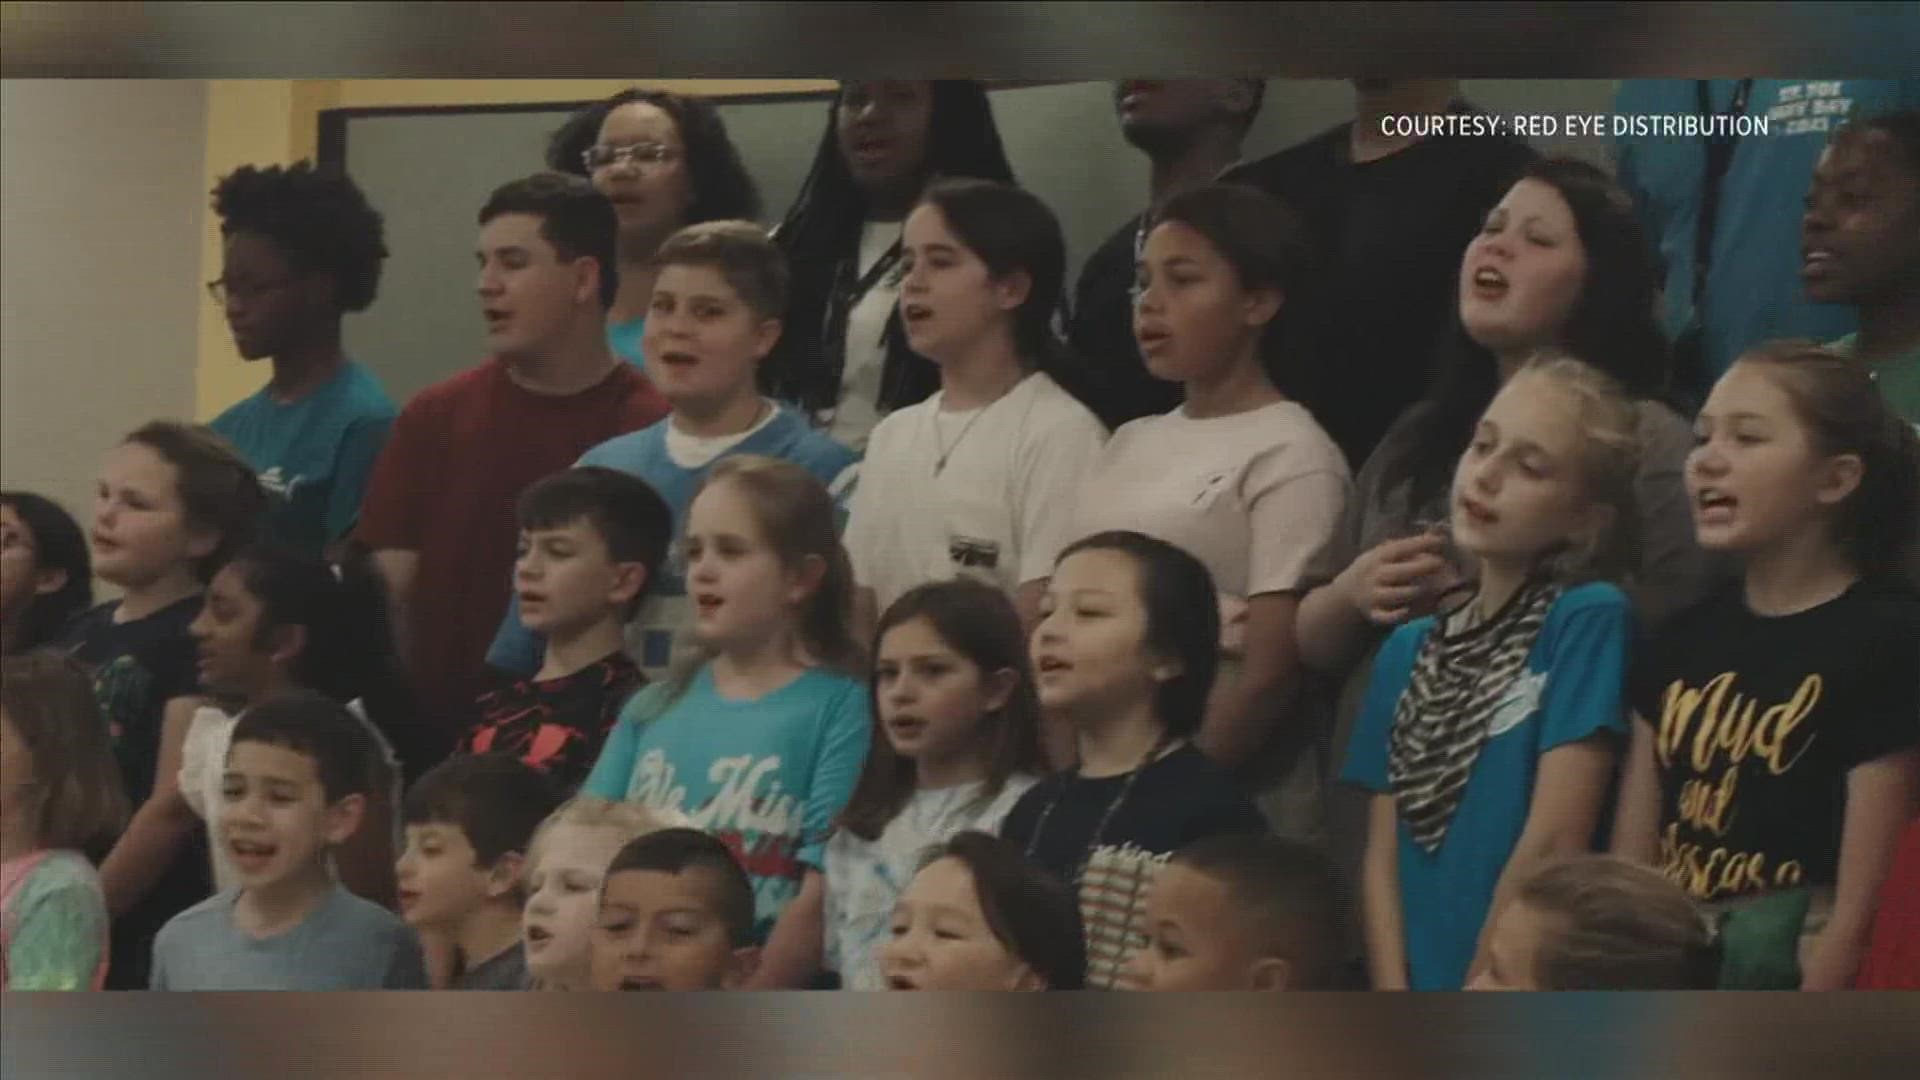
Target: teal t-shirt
column 315, row 455
column 767, row 776
column 624, row 339
column 1575, row 686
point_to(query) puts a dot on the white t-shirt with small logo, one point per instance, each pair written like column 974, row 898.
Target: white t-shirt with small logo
column 1000, row 510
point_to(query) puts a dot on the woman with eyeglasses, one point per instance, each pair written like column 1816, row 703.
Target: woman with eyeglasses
column 666, row 162
column 301, row 247
column 844, row 357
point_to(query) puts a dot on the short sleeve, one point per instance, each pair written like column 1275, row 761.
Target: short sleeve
column 1367, row 752
column 360, row 447
column 840, row 486
column 1017, row 826
column 836, row 767
column 198, row 752
column 1586, row 668
column 390, row 514
column 1293, row 521
column 862, row 512
column 1888, row 720
column 59, row 940
column 1369, row 511
column 831, row 905
column 157, row 971
column 613, row 772
column 407, row 967
column 1053, row 468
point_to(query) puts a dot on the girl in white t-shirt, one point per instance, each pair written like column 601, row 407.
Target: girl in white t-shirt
column 956, row 742
column 277, row 620
column 978, row 480
column 1239, row 476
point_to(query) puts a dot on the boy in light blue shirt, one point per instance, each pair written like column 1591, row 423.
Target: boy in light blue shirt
column 298, row 776
column 716, row 314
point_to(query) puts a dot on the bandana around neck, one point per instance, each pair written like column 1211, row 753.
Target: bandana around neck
column 1441, row 720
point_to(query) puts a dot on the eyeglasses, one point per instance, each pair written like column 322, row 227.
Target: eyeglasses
column 223, row 290
column 601, row 157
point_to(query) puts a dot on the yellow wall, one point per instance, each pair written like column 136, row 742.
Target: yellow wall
column 267, row 122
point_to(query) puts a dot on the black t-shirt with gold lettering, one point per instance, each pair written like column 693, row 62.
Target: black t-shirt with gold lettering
column 1757, row 722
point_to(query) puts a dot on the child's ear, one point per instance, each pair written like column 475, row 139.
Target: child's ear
column 284, row 643
column 503, row 877
column 1262, row 305
column 344, row 817
column 587, row 273
column 740, row 968
column 1236, row 97
column 1164, row 669
column 628, row 579
column 766, row 336
column 1013, row 289
column 806, row 578
column 49, row 580
column 201, row 542
column 1270, row 973
column 1840, row 478
column 1000, row 686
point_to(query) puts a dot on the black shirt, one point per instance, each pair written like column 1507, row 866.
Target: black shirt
column 1176, row 800
column 1758, row 721
column 555, row 726
column 139, row 666
column 1388, row 236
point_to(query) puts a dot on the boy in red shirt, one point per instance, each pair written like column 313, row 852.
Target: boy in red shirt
column 439, row 513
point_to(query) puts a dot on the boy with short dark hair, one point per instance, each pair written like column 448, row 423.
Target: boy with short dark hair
column 465, row 448
column 298, row 775
column 717, row 308
column 689, row 884
column 469, row 821
column 591, row 541
column 1242, row 912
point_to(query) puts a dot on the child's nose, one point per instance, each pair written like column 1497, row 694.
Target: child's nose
column 1706, row 459
column 1487, row 477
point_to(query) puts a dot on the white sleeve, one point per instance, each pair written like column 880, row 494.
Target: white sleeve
column 199, row 771
column 1055, row 463
column 862, row 520
column 1294, row 518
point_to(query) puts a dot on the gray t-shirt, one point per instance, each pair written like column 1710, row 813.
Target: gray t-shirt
column 346, row 944
column 506, row 970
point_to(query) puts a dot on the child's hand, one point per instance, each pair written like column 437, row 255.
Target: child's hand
column 1399, row 579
